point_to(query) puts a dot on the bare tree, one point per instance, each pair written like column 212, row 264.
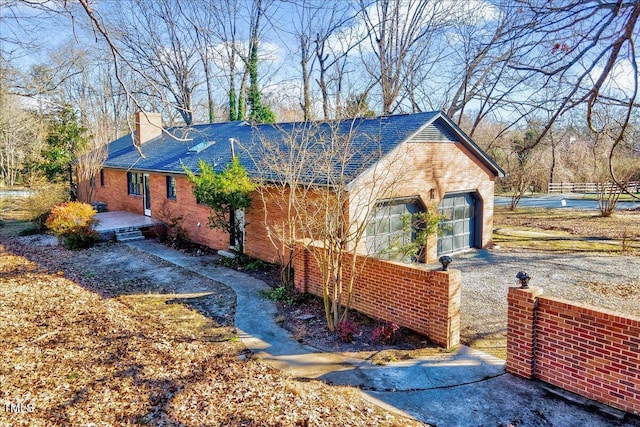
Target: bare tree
column 402, row 35
column 325, row 35
column 20, row 139
column 202, row 16
column 520, row 161
column 89, row 161
column 584, row 45
column 480, row 50
column 154, row 38
column 335, row 37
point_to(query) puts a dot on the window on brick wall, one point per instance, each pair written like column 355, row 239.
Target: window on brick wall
column 387, row 229
column 134, row 183
column 101, row 177
column 171, row 187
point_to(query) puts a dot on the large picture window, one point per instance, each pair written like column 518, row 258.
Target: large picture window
column 390, row 228
column 134, row 183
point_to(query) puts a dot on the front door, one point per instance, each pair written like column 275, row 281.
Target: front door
column 147, row 194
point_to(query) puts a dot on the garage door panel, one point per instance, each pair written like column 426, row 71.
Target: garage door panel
column 459, row 232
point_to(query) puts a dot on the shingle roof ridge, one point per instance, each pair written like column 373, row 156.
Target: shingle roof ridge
column 300, row 122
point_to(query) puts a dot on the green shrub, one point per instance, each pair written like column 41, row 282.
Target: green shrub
column 279, row 294
column 73, row 223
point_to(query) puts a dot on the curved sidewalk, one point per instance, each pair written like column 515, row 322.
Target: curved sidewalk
column 463, row 388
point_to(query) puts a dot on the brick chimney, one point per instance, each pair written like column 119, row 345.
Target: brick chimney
column 148, row 126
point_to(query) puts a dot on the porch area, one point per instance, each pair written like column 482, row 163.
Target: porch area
column 123, row 226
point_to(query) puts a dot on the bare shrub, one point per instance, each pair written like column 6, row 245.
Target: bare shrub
column 39, row 205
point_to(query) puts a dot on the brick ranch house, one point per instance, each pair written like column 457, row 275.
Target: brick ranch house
column 429, row 160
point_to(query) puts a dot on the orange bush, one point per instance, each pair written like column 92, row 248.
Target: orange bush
column 73, row 223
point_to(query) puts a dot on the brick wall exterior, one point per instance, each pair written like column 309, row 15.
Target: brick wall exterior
column 264, row 231
column 429, row 171
column 412, row 296
column 588, row 351
column 520, row 331
column 114, row 193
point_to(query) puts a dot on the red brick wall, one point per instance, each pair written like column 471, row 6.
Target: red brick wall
column 520, row 330
column 412, row 296
column 264, row 232
column 114, row 193
column 588, row 351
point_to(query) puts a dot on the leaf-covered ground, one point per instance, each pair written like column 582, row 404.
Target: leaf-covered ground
column 73, row 356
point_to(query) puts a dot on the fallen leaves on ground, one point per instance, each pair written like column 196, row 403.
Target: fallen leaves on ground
column 82, row 359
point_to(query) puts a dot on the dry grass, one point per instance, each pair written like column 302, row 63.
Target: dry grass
column 82, row 359
column 567, row 230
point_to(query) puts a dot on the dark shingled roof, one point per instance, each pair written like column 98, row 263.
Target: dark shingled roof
column 369, row 140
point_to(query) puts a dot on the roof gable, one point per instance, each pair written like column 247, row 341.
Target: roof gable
column 436, row 131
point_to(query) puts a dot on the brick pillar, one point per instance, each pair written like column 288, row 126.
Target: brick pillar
column 521, row 331
column 444, row 308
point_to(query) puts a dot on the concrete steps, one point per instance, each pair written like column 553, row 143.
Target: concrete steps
column 129, row 234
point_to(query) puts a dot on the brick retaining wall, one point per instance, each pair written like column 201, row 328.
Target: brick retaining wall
column 412, row 296
column 589, row 351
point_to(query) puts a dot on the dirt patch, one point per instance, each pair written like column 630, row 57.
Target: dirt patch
column 306, row 322
column 112, row 269
column 84, row 343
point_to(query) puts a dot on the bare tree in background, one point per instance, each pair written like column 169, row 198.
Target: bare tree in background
column 587, row 45
column 307, row 13
column 20, row 139
column 402, row 36
column 325, row 35
column 481, row 49
column 153, row 36
column 203, row 16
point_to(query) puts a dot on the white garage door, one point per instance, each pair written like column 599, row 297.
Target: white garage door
column 459, row 227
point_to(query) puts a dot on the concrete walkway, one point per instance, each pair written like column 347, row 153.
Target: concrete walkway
column 462, row 388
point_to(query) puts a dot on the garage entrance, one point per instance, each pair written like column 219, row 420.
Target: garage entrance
column 460, row 226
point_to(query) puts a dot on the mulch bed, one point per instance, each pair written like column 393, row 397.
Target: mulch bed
column 305, row 319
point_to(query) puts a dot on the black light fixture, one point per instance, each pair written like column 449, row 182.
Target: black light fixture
column 445, row 260
column 524, row 279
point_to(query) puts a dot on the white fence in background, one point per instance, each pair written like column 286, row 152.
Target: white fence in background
column 589, row 187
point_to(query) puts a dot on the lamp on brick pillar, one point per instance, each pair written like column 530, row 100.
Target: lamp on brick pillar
column 524, row 279
column 445, row 260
